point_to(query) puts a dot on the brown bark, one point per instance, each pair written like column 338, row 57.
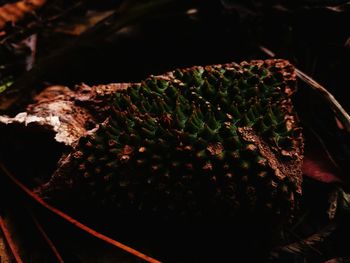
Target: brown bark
column 70, row 114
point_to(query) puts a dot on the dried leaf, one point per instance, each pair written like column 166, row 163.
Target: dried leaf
column 4, row 254
column 8, row 237
column 308, row 245
column 319, row 169
column 81, row 24
column 13, row 12
column 344, row 200
column 24, row 241
column 333, row 204
column 335, row 260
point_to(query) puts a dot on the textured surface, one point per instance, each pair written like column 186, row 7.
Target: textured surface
column 203, row 141
column 70, row 114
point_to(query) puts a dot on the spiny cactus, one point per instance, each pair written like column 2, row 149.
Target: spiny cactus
column 204, row 141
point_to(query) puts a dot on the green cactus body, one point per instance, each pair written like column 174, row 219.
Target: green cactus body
column 193, row 142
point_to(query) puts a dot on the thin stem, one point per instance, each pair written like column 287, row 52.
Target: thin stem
column 47, row 238
column 9, row 240
column 75, row 222
column 339, row 111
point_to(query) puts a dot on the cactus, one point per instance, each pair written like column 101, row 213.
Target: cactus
column 198, row 142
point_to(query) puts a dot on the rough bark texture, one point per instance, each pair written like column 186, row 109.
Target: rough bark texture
column 70, row 114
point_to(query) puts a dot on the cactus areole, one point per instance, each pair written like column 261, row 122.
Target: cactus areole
column 207, row 141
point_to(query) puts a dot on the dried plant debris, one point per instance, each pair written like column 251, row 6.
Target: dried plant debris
column 256, row 7
column 13, row 12
column 192, row 143
column 311, row 245
column 71, row 114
